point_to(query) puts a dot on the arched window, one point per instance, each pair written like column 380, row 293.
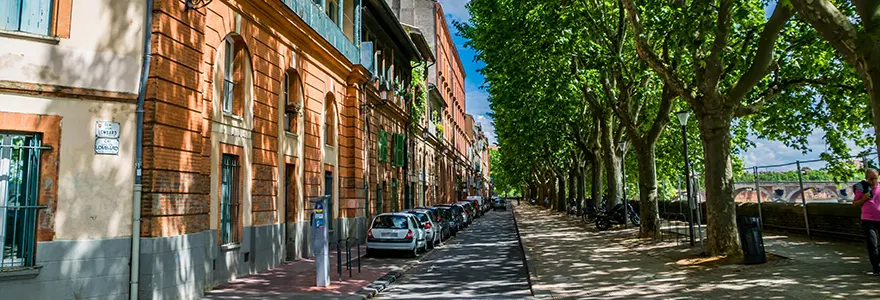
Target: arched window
column 329, row 121
column 292, row 97
column 233, row 75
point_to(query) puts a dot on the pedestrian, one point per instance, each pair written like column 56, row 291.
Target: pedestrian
column 867, row 196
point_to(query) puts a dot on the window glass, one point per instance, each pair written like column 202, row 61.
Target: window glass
column 390, row 222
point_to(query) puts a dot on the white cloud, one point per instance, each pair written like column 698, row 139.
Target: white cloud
column 488, row 128
column 456, row 9
column 767, row 152
column 477, row 101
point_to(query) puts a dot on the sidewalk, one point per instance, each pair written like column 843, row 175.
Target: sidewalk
column 572, row 259
column 296, row 280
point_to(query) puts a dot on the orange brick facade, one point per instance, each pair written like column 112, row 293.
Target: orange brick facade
column 181, row 120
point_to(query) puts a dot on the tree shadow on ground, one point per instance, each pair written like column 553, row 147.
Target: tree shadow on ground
column 579, row 263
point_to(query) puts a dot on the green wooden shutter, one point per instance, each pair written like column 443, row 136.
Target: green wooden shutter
column 398, row 150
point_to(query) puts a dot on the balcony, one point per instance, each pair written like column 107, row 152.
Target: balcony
column 316, row 18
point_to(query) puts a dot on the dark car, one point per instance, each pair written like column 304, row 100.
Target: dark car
column 471, row 211
column 499, row 204
column 453, row 214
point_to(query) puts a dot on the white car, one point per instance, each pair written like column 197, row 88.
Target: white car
column 432, row 229
column 396, row 231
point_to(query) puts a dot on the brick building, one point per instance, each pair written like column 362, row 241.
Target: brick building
column 251, row 108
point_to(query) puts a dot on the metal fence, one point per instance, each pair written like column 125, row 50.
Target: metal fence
column 797, row 196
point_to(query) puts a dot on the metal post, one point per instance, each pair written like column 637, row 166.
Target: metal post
column 358, row 242
column 623, row 173
column 687, row 181
column 758, row 193
column 339, row 260
column 348, row 257
column 697, row 198
column 804, row 200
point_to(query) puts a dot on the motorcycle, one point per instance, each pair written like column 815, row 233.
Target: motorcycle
column 616, row 216
column 573, row 207
column 590, row 212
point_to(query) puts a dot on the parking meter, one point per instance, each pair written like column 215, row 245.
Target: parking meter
column 319, row 241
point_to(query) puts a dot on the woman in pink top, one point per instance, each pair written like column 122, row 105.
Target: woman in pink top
column 867, row 196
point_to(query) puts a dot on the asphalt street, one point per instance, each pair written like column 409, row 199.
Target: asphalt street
column 483, row 261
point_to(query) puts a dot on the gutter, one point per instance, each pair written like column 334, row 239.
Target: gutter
column 138, row 157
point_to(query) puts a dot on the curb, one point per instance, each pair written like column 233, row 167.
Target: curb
column 530, row 267
column 373, row 289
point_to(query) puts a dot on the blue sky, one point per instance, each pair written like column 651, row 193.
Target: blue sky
column 764, row 153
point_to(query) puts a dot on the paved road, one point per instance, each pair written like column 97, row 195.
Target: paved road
column 483, row 261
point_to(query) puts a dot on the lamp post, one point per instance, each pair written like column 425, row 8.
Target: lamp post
column 682, row 119
column 623, row 173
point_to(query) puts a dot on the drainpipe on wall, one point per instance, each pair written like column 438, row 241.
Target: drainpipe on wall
column 138, row 157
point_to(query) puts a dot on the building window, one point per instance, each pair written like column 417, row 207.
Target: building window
column 19, row 180
column 394, row 204
column 328, row 190
column 329, row 122
column 230, row 200
column 228, row 83
column 291, row 96
column 383, row 146
column 379, row 207
column 333, row 11
column 30, row 16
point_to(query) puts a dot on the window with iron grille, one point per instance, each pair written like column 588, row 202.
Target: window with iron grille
column 379, row 196
column 230, row 200
column 228, row 83
column 19, row 180
column 31, row 16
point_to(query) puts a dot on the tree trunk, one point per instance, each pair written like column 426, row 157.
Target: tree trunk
column 613, row 178
column 648, row 209
column 872, row 84
column 560, row 193
column 721, row 219
column 581, row 187
column 572, row 178
column 596, row 183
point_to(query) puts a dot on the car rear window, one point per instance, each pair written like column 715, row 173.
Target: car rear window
column 390, row 222
column 422, row 217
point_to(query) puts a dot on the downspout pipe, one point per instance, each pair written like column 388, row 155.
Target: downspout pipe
column 138, row 157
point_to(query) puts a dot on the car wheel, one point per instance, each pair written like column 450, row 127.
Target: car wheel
column 415, row 252
column 430, row 245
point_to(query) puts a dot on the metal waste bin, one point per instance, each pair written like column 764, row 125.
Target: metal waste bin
column 751, row 240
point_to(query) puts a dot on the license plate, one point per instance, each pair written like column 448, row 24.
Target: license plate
column 388, row 234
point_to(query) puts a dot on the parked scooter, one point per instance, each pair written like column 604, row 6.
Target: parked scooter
column 616, row 216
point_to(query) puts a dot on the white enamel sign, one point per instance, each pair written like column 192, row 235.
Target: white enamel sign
column 105, row 129
column 107, row 146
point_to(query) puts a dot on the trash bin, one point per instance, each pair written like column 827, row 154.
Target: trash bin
column 751, row 240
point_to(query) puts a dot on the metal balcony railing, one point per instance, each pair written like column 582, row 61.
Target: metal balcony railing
column 316, row 18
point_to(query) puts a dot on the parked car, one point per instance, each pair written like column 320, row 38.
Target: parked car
column 398, row 232
column 440, row 221
column 452, row 217
column 462, row 213
column 469, row 207
column 499, row 204
column 432, row 229
column 478, row 204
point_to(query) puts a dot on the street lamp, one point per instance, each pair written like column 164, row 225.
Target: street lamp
column 682, row 119
column 623, row 173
